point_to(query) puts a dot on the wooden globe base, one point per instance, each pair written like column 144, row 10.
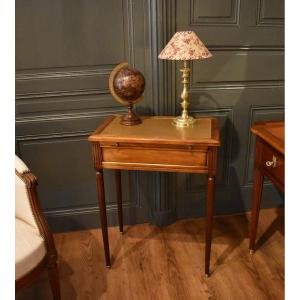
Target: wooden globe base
column 130, row 118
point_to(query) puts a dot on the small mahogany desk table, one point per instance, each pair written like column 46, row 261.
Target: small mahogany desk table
column 155, row 145
column 269, row 161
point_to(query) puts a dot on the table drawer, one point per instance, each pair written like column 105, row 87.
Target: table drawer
column 273, row 163
column 154, row 156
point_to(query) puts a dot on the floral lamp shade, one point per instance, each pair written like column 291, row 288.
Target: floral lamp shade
column 184, row 45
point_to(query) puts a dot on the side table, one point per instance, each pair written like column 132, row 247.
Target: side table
column 155, row 145
column 269, row 161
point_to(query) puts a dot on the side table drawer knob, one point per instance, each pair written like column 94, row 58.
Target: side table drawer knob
column 272, row 163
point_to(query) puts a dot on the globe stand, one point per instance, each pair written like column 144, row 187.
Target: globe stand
column 130, row 118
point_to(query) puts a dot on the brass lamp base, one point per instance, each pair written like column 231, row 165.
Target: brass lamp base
column 184, row 122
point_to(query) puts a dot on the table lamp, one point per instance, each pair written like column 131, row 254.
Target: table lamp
column 184, row 45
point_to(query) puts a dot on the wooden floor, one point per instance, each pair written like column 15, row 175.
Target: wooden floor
column 168, row 263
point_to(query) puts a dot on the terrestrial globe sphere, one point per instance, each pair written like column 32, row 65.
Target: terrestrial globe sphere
column 129, row 84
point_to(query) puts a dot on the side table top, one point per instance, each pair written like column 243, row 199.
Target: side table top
column 271, row 132
column 158, row 130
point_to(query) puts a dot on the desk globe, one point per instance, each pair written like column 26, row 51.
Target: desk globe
column 127, row 86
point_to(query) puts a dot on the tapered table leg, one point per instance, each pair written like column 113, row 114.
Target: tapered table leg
column 209, row 221
column 256, row 201
column 119, row 198
column 103, row 218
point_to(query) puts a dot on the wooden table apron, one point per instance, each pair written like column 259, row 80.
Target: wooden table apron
column 175, row 155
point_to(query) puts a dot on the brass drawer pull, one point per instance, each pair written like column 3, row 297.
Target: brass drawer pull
column 112, row 145
column 272, row 163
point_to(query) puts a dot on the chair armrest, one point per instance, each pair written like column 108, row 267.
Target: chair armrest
column 27, row 204
column 23, row 180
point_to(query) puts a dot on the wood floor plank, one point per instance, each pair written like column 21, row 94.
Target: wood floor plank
column 168, row 263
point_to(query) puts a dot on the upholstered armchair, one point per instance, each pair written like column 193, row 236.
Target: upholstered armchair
column 35, row 249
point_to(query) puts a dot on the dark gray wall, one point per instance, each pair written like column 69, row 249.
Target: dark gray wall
column 65, row 51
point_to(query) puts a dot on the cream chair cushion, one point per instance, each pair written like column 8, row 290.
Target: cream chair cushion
column 20, row 165
column 30, row 248
column 23, row 209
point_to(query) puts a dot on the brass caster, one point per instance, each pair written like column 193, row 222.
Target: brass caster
column 251, row 251
column 108, row 267
column 206, row 275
